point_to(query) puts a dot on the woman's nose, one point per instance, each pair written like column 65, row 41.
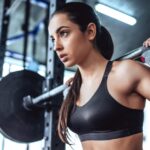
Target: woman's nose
column 57, row 45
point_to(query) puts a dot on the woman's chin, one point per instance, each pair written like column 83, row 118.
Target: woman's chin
column 67, row 64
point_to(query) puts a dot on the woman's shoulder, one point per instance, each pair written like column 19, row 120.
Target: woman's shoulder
column 128, row 66
column 127, row 70
column 125, row 63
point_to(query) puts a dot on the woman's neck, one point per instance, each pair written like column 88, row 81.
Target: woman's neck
column 92, row 65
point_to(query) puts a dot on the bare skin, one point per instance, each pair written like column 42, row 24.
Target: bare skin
column 146, row 43
column 133, row 142
column 128, row 81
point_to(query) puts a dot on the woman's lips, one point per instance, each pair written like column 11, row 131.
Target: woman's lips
column 63, row 57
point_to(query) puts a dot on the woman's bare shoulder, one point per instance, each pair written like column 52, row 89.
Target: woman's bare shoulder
column 129, row 68
column 127, row 73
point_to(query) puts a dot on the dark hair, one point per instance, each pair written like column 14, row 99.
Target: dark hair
column 81, row 14
column 105, row 43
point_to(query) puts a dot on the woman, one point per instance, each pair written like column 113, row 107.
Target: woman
column 106, row 99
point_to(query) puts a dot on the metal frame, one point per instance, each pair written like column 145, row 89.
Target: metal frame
column 54, row 71
column 26, row 30
column 4, row 23
column 55, row 75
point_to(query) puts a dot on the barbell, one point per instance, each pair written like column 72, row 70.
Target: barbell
column 21, row 112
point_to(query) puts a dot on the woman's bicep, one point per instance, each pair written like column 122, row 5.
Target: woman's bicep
column 143, row 84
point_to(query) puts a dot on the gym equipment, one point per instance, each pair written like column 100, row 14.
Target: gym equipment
column 54, row 77
column 30, row 102
column 16, row 122
column 22, row 104
column 136, row 53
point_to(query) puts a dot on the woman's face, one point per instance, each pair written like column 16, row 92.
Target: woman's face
column 71, row 45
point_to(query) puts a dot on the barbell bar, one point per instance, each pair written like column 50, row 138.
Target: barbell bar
column 29, row 102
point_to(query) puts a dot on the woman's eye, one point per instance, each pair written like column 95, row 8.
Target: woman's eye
column 63, row 33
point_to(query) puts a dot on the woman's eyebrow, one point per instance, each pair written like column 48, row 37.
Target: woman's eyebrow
column 57, row 30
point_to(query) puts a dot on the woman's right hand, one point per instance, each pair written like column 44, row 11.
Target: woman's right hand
column 69, row 81
column 146, row 43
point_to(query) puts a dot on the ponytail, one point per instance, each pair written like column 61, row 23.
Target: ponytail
column 70, row 101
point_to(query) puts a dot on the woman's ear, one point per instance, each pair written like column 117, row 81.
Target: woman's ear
column 91, row 31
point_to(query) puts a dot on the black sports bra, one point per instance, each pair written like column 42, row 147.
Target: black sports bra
column 103, row 118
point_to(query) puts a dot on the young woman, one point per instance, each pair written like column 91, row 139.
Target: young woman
column 105, row 102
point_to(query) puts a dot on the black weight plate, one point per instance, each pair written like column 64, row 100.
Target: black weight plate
column 17, row 123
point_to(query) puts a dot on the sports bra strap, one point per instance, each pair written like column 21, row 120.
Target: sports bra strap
column 108, row 68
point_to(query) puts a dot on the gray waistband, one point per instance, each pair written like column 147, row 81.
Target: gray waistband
column 109, row 134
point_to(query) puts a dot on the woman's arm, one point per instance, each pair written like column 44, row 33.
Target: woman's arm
column 143, row 80
column 134, row 76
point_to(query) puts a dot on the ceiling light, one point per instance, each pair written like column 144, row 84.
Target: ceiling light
column 115, row 14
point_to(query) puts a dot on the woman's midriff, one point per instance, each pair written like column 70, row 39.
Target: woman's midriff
column 133, row 142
